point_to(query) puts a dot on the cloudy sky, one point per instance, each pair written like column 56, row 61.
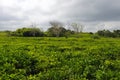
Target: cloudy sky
column 93, row 14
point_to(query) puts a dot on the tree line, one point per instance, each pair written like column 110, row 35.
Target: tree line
column 57, row 29
column 108, row 33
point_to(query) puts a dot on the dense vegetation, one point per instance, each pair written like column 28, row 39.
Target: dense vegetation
column 27, row 32
column 36, row 32
column 107, row 33
column 57, row 30
column 50, row 58
column 59, row 54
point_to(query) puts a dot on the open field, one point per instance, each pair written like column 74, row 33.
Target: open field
column 48, row 58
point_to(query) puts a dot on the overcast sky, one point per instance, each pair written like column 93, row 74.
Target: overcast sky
column 93, row 14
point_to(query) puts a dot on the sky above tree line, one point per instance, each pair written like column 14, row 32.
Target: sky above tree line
column 93, row 14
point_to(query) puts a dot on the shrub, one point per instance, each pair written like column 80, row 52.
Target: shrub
column 96, row 37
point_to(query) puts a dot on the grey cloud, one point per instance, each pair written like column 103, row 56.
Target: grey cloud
column 8, row 14
column 90, row 12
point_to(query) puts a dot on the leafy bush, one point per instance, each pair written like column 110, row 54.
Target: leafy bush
column 107, row 33
column 37, row 58
column 95, row 37
column 28, row 32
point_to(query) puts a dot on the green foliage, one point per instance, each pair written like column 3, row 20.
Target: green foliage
column 107, row 33
column 28, row 32
column 95, row 36
column 117, row 33
column 44, row 58
column 56, row 31
column 3, row 34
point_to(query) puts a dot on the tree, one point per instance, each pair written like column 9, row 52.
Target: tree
column 33, row 32
column 105, row 33
column 77, row 27
column 57, row 29
column 116, row 33
column 100, row 32
column 28, row 32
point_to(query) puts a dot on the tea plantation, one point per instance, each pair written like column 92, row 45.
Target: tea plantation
column 48, row 58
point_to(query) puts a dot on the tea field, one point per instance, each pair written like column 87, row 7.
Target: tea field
column 48, row 58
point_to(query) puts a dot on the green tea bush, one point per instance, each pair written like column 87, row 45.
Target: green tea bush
column 38, row 58
column 95, row 37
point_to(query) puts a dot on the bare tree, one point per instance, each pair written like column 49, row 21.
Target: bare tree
column 77, row 27
column 56, row 28
column 56, row 24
